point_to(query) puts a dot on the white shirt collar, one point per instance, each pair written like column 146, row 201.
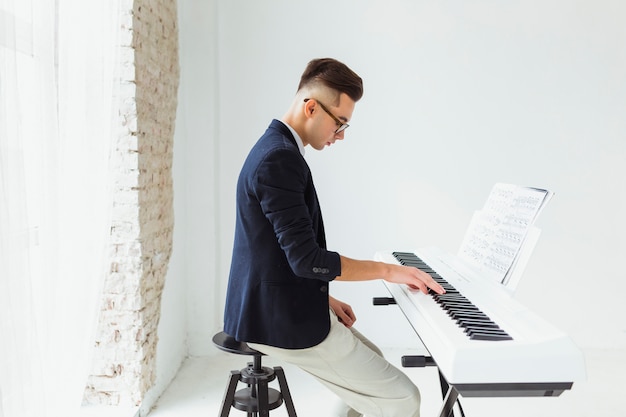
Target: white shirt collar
column 296, row 136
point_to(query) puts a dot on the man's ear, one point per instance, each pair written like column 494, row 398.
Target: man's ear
column 309, row 108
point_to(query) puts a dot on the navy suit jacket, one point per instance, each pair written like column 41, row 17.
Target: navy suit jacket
column 280, row 270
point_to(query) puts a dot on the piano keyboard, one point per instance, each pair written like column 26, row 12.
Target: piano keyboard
column 483, row 341
column 476, row 324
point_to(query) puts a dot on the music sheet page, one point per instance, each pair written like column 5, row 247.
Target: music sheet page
column 497, row 233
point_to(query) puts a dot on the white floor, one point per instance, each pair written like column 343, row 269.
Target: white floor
column 200, row 384
column 199, row 387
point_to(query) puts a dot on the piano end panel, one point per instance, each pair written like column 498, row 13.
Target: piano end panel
column 540, row 389
column 517, row 362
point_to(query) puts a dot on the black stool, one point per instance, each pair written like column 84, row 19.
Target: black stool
column 258, row 399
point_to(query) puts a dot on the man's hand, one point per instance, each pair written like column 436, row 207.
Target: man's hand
column 354, row 270
column 343, row 311
column 414, row 278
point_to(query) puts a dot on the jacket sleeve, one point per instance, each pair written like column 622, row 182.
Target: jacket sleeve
column 285, row 191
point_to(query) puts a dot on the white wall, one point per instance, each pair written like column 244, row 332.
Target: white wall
column 459, row 95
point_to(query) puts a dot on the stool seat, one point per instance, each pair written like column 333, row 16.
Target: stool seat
column 257, row 399
column 228, row 343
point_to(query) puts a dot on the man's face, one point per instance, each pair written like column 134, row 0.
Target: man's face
column 328, row 120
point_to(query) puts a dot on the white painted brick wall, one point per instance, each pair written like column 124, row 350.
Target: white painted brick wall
column 143, row 218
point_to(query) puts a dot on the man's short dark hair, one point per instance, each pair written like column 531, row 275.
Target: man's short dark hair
column 333, row 74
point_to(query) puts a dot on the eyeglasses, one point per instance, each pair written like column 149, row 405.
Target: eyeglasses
column 341, row 126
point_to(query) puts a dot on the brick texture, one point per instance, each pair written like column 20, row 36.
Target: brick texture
column 142, row 216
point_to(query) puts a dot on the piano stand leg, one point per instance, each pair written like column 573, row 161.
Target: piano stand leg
column 450, row 396
column 449, row 393
column 447, row 408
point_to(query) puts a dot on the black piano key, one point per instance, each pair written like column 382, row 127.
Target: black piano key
column 477, row 324
column 499, row 334
column 448, row 306
column 458, row 307
column 457, row 312
column 452, row 298
column 405, row 254
column 476, row 331
column 468, row 315
column 452, row 295
column 490, row 337
column 463, row 309
column 460, row 314
column 472, row 331
column 419, row 265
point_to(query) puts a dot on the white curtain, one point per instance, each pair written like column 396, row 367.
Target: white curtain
column 58, row 105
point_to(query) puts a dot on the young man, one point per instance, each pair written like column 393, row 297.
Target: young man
column 277, row 298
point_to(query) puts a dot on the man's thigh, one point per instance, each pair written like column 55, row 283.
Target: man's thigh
column 356, row 372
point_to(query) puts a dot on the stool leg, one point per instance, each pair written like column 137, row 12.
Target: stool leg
column 254, row 394
column 229, row 395
column 262, row 398
column 284, row 389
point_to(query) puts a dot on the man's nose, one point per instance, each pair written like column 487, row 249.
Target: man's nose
column 339, row 136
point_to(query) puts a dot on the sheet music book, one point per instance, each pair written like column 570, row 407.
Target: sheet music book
column 501, row 236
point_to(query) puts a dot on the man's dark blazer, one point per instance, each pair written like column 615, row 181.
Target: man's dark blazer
column 280, row 270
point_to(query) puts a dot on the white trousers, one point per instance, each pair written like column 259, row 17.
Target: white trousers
column 353, row 368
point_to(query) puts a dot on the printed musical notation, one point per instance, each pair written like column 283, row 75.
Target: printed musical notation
column 496, row 234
